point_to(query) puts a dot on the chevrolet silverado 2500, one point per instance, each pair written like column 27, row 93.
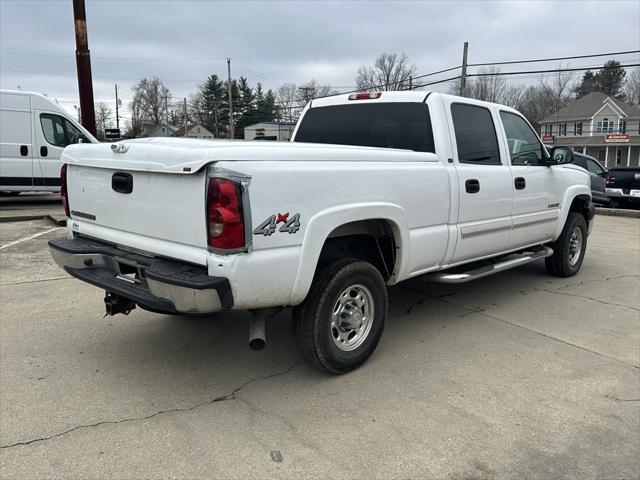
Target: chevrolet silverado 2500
column 375, row 188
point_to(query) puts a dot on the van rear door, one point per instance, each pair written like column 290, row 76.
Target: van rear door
column 16, row 144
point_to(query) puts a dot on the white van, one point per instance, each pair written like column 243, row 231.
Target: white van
column 33, row 132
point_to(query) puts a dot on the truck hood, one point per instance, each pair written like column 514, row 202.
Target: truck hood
column 186, row 156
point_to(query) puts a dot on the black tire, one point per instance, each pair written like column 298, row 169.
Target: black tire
column 563, row 262
column 312, row 320
column 614, row 203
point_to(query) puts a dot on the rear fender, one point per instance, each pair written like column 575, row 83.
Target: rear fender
column 322, row 224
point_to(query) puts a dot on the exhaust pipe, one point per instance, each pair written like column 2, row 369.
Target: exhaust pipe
column 258, row 328
column 257, row 331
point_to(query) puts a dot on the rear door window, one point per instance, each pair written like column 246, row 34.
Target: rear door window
column 593, row 167
column 387, row 125
column 475, row 134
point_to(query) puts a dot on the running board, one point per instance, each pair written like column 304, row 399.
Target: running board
column 511, row 261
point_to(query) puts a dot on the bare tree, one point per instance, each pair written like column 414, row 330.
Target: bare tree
column 389, row 72
column 287, row 101
column 104, row 117
column 632, row 87
column 149, row 99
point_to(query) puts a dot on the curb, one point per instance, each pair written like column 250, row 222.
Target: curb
column 22, row 218
column 618, row 212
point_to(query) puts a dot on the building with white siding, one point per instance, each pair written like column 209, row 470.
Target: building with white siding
column 598, row 125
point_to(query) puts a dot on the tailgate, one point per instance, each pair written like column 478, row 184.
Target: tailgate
column 624, row 178
column 164, row 206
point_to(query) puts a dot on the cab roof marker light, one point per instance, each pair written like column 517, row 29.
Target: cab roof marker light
column 365, row 96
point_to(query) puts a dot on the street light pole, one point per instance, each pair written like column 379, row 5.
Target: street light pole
column 83, row 63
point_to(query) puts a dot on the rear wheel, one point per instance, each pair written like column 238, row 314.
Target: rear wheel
column 569, row 249
column 340, row 323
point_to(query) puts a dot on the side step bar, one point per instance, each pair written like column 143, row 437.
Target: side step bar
column 506, row 263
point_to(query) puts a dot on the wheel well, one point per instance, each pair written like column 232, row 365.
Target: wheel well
column 580, row 204
column 369, row 240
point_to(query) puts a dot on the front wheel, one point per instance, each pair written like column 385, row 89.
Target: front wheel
column 339, row 324
column 569, row 249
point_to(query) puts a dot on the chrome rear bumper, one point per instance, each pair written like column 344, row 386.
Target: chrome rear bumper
column 156, row 284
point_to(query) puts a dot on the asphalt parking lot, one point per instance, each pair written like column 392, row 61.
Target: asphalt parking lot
column 519, row 375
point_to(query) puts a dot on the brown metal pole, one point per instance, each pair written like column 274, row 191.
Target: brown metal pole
column 83, row 62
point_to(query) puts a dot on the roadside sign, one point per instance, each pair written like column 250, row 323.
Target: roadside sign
column 548, row 138
column 617, row 138
column 112, row 133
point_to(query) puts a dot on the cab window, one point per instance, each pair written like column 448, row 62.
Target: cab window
column 475, row 135
column 59, row 131
column 524, row 146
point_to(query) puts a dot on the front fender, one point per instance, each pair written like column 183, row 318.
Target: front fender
column 323, row 223
column 569, row 195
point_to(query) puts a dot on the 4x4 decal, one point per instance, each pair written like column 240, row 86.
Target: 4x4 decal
column 269, row 226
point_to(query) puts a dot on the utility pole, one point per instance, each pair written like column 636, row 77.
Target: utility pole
column 305, row 93
column 231, row 125
column 117, row 115
column 411, row 83
column 185, row 116
column 166, row 112
column 83, row 63
column 463, row 75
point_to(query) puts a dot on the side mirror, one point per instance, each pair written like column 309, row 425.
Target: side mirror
column 560, row 155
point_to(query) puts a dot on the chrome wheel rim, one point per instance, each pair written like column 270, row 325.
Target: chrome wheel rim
column 575, row 246
column 352, row 317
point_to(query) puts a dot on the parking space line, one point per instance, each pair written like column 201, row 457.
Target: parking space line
column 29, row 238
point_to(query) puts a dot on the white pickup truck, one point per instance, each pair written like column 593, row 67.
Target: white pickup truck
column 373, row 189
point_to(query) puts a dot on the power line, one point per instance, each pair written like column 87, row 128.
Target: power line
column 610, row 54
column 555, row 70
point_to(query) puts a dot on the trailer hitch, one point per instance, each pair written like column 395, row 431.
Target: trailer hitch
column 115, row 304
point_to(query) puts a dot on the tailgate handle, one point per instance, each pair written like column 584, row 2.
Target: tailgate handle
column 122, row 182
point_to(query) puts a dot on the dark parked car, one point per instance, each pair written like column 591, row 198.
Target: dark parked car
column 598, row 176
column 623, row 187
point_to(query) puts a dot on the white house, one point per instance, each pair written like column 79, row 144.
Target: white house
column 273, row 130
column 599, row 125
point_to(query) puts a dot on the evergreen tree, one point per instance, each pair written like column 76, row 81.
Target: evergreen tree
column 588, row 84
column 213, row 96
column 611, row 79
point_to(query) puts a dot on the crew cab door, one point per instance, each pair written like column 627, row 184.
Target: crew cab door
column 536, row 187
column 484, row 183
column 53, row 133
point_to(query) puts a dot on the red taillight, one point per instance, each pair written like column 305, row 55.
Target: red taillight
column 365, row 95
column 225, row 221
column 63, row 189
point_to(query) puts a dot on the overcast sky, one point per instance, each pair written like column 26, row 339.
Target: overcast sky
column 275, row 42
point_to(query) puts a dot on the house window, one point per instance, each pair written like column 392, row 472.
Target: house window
column 548, row 130
column 618, row 156
column 605, row 126
column 562, row 129
column 602, row 153
column 577, row 128
column 622, row 126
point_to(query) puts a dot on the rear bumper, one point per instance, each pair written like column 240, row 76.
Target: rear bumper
column 622, row 193
column 153, row 283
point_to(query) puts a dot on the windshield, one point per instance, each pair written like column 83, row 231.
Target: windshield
column 387, row 125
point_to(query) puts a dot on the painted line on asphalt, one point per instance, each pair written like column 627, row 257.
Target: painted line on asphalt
column 29, row 238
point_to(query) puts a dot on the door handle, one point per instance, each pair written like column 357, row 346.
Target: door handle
column 472, row 185
column 44, row 151
column 520, row 183
column 24, row 150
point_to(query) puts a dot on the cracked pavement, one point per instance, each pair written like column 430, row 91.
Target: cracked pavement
column 518, row 375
